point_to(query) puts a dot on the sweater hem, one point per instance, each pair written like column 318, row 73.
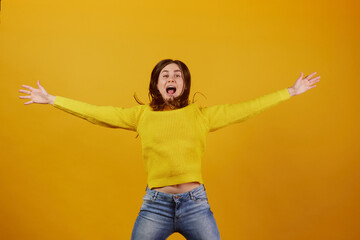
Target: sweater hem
column 175, row 180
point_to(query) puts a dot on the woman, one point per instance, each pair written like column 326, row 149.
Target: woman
column 173, row 134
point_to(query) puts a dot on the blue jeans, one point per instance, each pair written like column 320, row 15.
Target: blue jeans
column 162, row 214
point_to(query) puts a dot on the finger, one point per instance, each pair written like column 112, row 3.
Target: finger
column 301, row 75
column 314, row 81
column 29, row 102
column 38, row 83
column 316, row 78
column 28, row 87
column 25, row 91
column 25, row 97
column 40, row 87
column 309, row 76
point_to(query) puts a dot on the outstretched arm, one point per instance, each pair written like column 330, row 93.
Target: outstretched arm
column 222, row 115
column 107, row 116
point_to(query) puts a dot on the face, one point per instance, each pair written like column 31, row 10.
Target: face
column 170, row 83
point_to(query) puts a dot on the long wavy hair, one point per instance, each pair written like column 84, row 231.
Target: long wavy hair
column 156, row 100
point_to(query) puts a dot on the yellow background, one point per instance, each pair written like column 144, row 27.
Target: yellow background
column 291, row 172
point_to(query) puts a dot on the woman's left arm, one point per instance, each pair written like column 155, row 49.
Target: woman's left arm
column 220, row 116
column 302, row 85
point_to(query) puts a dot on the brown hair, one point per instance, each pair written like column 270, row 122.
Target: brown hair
column 156, row 100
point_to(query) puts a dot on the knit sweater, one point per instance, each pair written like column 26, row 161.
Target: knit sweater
column 173, row 142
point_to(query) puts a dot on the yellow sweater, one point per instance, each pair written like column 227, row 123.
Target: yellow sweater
column 173, row 142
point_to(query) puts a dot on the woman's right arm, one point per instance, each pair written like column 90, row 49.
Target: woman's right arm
column 107, row 116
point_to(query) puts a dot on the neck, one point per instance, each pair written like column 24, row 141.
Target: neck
column 167, row 108
column 169, row 105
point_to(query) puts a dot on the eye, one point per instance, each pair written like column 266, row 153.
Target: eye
column 177, row 75
column 165, row 75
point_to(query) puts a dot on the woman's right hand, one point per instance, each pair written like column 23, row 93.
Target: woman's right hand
column 37, row 95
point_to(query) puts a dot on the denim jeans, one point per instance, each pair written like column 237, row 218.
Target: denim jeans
column 162, row 214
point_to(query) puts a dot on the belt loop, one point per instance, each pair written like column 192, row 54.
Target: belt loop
column 155, row 195
column 191, row 195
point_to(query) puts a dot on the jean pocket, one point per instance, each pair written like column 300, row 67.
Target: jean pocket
column 148, row 197
column 200, row 196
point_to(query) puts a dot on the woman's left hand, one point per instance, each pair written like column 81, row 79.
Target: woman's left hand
column 302, row 85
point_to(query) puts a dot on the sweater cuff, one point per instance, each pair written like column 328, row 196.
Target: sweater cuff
column 55, row 101
column 284, row 93
column 58, row 102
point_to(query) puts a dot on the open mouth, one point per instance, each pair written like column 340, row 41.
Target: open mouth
column 171, row 89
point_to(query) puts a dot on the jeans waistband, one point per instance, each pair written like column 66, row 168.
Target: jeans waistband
column 170, row 196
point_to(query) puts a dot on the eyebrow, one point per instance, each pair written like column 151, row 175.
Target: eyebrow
column 168, row 71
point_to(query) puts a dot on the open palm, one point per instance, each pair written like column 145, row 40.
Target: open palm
column 302, row 85
column 39, row 95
